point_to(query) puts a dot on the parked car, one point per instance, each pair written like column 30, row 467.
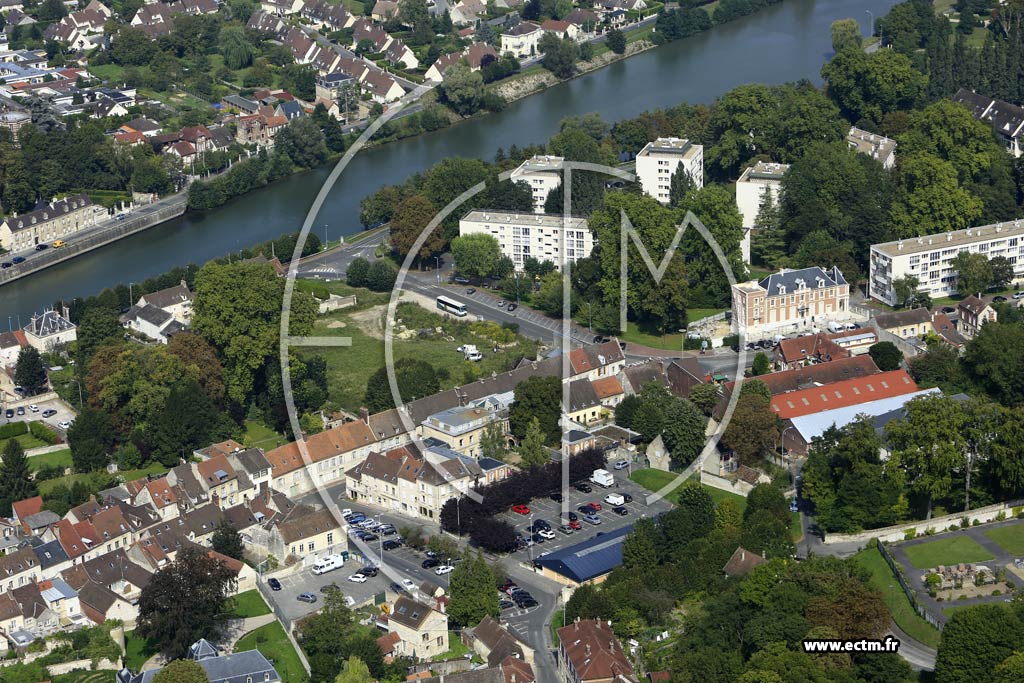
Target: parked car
column 539, row 524
column 538, row 539
column 506, row 604
column 557, row 497
column 592, row 519
column 49, row 412
column 430, row 563
column 18, row 259
column 600, row 339
column 306, row 597
column 620, row 510
column 274, row 584
column 444, row 569
column 566, row 529
column 621, row 465
column 408, row 585
column 596, row 506
column 546, row 533
column 9, row 413
column 572, row 516
column 998, row 299
column 357, row 578
column 6, row 264
column 575, row 524
column 391, row 544
column 461, row 280
column 34, row 408
column 471, row 290
column 794, row 506
column 21, row 410
column 369, row 570
column 583, row 487
column 1018, row 295
column 64, row 425
column 512, row 307
column 521, row 509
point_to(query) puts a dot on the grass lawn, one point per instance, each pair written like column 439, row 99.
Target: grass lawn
column 1010, row 538
column 903, row 613
column 98, row 480
column 274, row 644
column 137, row 651
column 654, row 480
column 62, row 458
column 557, row 622
column 108, row 676
column 249, row 604
column 949, row 611
column 349, row 368
column 668, row 342
column 258, row 435
column 28, row 441
column 952, row 550
column 456, row 648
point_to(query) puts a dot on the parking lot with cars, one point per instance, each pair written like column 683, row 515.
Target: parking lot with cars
column 550, row 511
column 53, row 412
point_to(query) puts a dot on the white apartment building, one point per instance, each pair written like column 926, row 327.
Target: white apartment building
column 658, row 161
column 928, row 258
column 876, row 146
column 756, row 184
column 542, row 174
column 545, row 238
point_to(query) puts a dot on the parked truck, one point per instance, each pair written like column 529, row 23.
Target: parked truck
column 603, row 478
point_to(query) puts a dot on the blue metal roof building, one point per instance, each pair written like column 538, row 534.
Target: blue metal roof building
column 588, row 560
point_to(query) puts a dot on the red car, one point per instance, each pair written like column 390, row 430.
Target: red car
column 575, row 524
column 596, row 506
column 521, row 509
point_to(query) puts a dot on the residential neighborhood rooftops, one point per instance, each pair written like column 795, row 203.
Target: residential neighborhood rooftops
column 594, row 651
column 807, row 376
column 874, row 145
column 849, row 392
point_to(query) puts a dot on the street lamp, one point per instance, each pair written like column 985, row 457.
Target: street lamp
column 325, row 237
column 79, row 384
column 871, row 26
column 590, row 319
column 437, row 261
column 782, row 443
column 380, row 539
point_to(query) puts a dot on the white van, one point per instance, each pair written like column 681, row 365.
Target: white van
column 327, row 564
column 602, row 478
column 615, row 499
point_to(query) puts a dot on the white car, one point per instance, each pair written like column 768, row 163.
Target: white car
column 64, row 425
column 409, row 584
column 546, row 533
column 345, row 512
column 34, row 408
column 357, row 578
column 444, row 569
column 621, row 465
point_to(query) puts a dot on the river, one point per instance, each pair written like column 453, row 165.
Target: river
column 785, row 42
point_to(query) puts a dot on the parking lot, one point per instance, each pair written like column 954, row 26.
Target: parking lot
column 550, row 511
column 65, row 413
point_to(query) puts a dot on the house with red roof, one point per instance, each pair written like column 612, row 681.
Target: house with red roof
column 843, row 394
column 589, row 652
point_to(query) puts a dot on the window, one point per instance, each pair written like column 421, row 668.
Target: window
column 311, row 544
column 330, row 538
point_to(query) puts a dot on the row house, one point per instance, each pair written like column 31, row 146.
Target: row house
column 109, row 587
column 468, row 12
column 301, row 45
column 225, row 485
column 1007, row 120
column 384, row 10
column 58, row 220
column 251, row 461
column 476, row 56
column 562, row 29
column 258, row 129
column 401, row 55
column 266, row 22
column 306, row 534
column 323, row 459
column 365, row 30
column 281, row 7
column 18, row 568
column 334, row 17
column 462, row 428
column 81, row 30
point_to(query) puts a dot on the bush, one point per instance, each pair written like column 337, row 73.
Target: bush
column 997, row 592
column 930, row 531
column 873, row 543
column 694, row 344
column 731, row 339
column 49, row 472
column 13, row 429
column 910, row 534
column 43, row 433
column 1001, row 516
column 964, row 523
column 976, row 522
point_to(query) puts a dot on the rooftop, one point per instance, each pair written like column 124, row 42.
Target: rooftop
column 843, row 394
column 764, row 170
column 588, row 559
column 813, row 425
column 529, row 219
column 876, row 146
column 673, row 146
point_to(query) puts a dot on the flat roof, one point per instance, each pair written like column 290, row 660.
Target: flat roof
column 949, row 240
column 540, row 163
column 524, row 219
column 764, row 170
column 872, row 144
column 674, row 146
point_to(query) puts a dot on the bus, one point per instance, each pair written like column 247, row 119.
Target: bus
column 451, row 306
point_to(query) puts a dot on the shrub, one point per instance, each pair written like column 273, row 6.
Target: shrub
column 964, row 523
column 1010, row 585
column 997, row 592
column 976, row 522
column 1001, row 516
column 953, row 527
column 13, row 429
column 43, row 433
column 873, row 543
column 910, row 534
column 930, row 531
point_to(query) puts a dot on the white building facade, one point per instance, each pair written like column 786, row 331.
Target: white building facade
column 757, row 185
column 542, row 174
column 929, row 258
column 659, row 160
column 520, row 236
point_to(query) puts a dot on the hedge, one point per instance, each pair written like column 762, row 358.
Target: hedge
column 13, row 429
column 43, row 433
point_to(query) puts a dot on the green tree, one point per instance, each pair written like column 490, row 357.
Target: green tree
column 91, row 438
column 184, row 601
column 679, row 186
column 975, row 641
column 235, row 47
column 354, row 670
column 1011, row 669
column 974, row 272
column 684, row 430
column 181, row 671
column 303, row 142
column 540, row 398
column 415, row 378
column 616, row 41
column 1002, row 272
column 238, row 310
column 993, row 363
column 30, row 372
column 761, row 365
column 870, row 86
column 754, row 429
column 770, row 499
column 929, row 198
column 183, row 424
column 492, row 442
column 355, row 275
column 846, row 35
column 905, row 289
column 704, row 396
column 227, row 541
column 532, row 451
column 640, row 549
column 16, row 481
column 463, row 89
column 410, row 219
column 472, row 591
column 560, row 54
column 886, row 356
column 476, row 255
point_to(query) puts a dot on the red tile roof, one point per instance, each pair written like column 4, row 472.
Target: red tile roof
column 606, row 387
column 27, row 507
column 594, row 650
column 849, row 392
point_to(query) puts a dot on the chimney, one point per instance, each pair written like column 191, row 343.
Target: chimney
column 364, row 414
column 65, row 312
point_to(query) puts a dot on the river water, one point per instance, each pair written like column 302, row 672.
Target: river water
column 785, row 42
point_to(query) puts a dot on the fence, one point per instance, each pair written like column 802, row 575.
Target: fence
column 448, row 666
column 894, row 567
column 82, row 665
column 285, row 622
column 170, row 208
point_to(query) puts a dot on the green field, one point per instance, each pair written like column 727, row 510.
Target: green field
column 106, row 676
column 92, row 479
column 274, row 644
column 137, row 651
column 666, row 342
column 258, row 435
column 557, row 622
column 61, row 457
column 456, row 648
column 349, row 367
column 1010, row 538
column 903, row 613
column 28, row 441
column 952, row 550
column 249, row 604
column 654, row 480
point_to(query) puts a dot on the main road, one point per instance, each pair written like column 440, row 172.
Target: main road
column 785, row 42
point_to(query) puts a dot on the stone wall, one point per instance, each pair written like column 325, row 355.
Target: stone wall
column 896, row 533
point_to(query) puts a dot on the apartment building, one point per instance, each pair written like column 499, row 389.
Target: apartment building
column 520, row 236
column 659, row 160
column 462, row 427
column 878, row 147
column 929, row 258
column 791, row 299
column 542, row 173
column 757, row 185
column 59, row 219
column 589, row 652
